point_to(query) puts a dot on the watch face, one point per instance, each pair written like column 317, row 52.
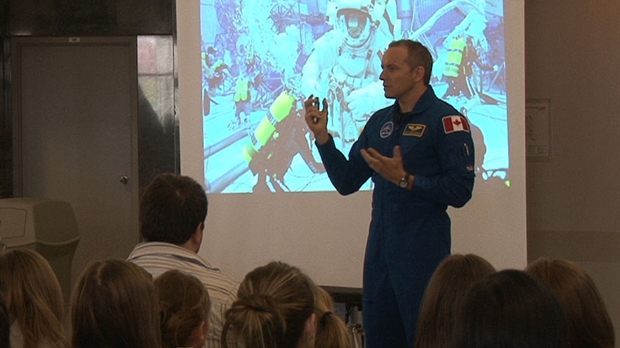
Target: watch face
column 403, row 183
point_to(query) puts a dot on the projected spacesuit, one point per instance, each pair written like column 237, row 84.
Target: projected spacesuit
column 468, row 50
column 215, row 72
column 345, row 65
column 214, row 68
column 244, row 87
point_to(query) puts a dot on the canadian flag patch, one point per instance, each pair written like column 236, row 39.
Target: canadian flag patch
column 455, row 123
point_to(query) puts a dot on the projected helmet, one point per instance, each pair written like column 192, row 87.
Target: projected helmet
column 355, row 21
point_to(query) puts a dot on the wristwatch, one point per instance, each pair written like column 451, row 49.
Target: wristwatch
column 404, row 182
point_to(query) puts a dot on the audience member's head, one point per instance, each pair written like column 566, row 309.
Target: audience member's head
column 274, row 309
column 444, row 296
column 5, row 323
column 173, row 209
column 590, row 325
column 331, row 331
column 34, row 298
column 115, row 305
column 509, row 309
column 184, row 307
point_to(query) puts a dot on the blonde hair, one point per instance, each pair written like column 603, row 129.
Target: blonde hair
column 331, row 330
column 33, row 296
column 590, row 325
column 274, row 302
column 444, row 297
column 184, row 305
column 115, row 305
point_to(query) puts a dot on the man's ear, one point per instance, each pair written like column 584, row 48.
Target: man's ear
column 197, row 236
column 418, row 73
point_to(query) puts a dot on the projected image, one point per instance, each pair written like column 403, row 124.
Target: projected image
column 262, row 59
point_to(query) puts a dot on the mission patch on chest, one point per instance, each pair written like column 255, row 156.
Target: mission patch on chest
column 414, row 130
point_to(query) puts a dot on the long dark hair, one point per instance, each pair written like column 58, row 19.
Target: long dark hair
column 590, row 325
column 184, row 305
column 115, row 305
column 510, row 309
column 444, row 296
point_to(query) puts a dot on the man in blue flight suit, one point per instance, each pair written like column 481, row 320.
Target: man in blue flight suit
column 420, row 155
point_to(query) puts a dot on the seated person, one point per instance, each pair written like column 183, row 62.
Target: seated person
column 173, row 210
column 444, row 296
column 34, row 299
column 589, row 322
column 274, row 309
column 115, row 305
column 331, row 331
column 184, row 307
column 509, row 309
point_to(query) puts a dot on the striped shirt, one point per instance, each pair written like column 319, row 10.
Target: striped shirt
column 157, row 258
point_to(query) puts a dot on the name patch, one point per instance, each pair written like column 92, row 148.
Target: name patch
column 414, row 130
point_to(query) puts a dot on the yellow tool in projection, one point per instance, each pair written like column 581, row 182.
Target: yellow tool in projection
column 279, row 110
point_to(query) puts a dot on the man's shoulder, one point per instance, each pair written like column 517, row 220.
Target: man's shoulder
column 447, row 108
column 386, row 110
column 441, row 106
column 146, row 249
column 438, row 110
column 157, row 258
column 382, row 113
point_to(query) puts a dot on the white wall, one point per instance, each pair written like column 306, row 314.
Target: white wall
column 572, row 58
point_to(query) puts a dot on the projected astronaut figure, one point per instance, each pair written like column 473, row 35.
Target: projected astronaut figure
column 244, row 86
column 468, row 50
column 215, row 70
column 345, row 64
column 215, row 75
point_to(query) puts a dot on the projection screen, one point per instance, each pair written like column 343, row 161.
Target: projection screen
column 245, row 68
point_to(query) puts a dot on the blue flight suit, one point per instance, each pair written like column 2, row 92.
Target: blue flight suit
column 410, row 230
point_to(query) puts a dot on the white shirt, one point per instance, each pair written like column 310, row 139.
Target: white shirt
column 157, row 258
